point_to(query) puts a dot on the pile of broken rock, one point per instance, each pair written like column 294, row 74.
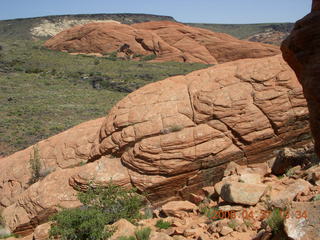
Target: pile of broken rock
column 241, row 206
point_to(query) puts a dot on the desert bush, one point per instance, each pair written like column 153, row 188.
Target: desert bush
column 115, row 201
column 143, row 233
column 316, row 198
column 126, row 238
column 96, row 62
column 209, row 212
column 148, row 57
column 37, row 170
column 81, row 223
column 101, row 206
column 163, row 224
column 35, row 165
column 232, row 224
column 275, row 221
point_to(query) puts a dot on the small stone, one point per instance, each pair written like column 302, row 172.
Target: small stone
column 170, row 231
column 189, row 232
column 226, row 230
column 208, row 191
column 196, row 199
column 179, row 208
column 227, row 208
column 231, row 169
column 42, row 231
column 159, row 236
column 215, row 235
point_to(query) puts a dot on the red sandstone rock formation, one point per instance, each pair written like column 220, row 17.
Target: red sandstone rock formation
column 169, row 41
column 302, row 51
column 65, row 150
column 169, row 139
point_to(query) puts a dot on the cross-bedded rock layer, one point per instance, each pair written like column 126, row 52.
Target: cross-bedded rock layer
column 168, row 139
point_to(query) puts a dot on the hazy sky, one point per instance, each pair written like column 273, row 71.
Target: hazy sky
column 205, row 11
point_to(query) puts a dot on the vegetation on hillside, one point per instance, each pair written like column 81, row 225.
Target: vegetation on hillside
column 101, row 206
column 243, row 31
column 44, row 92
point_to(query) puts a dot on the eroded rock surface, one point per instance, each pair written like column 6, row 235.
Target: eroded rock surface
column 169, row 139
column 169, row 41
column 65, row 150
column 302, row 51
column 176, row 135
column 58, row 190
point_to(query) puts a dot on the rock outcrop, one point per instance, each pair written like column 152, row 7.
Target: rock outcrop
column 177, row 134
column 65, row 150
column 168, row 41
column 168, row 139
column 302, row 51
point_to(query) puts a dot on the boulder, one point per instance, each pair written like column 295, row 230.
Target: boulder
column 41, row 232
column 179, row 208
column 303, row 222
column 284, row 197
column 301, row 50
column 242, row 193
column 166, row 41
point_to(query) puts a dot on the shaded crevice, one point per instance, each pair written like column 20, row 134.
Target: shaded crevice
column 271, row 122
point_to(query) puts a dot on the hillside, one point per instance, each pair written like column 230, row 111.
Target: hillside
column 47, row 26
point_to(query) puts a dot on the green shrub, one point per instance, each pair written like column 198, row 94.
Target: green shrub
column 275, row 221
column 80, row 224
column 35, row 165
column 96, row 62
column 143, row 233
column 115, row 201
column 232, row 224
column 248, row 223
column 209, row 212
column 316, row 198
column 148, row 57
column 163, row 224
column 126, row 238
column 175, row 128
column 102, row 206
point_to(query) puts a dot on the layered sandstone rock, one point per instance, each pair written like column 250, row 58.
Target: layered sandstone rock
column 302, row 51
column 64, row 150
column 176, row 135
column 169, row 41
column 57, row 191
column 169, row 139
